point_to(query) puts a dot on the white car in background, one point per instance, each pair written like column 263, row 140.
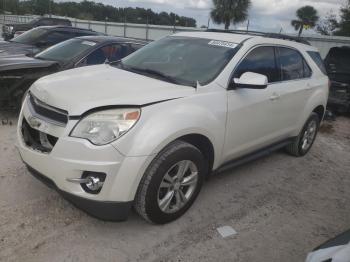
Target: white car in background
column 145, row 131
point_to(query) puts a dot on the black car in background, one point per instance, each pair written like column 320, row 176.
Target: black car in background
column 40, row 38
column 9, row 30
column 338, row 68
column 17, row 73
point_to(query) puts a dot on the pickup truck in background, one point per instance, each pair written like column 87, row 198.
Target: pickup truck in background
column 9, row 30
column 337, row 64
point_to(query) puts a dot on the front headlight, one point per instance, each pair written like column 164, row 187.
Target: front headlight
column 103, row 127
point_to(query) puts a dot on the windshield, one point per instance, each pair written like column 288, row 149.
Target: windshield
column 65, row 51
column 30, row 37
column 182, row 60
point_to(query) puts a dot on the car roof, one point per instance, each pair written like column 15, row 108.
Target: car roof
column 240, row 37
column 235, row 38
column 63, row 27
column 54, row 18
column 68, row 28
column 102, row 38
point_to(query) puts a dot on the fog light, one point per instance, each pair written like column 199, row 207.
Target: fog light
column 91, row 182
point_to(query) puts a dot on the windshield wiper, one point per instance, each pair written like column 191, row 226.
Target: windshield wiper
column 145, row 71
column 156, row 74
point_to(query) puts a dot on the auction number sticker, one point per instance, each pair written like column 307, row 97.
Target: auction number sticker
column 222, row 43
column 88, row 43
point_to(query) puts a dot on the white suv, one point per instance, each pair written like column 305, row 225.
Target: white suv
column 145, row 131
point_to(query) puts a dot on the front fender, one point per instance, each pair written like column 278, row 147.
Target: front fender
column 162, row 123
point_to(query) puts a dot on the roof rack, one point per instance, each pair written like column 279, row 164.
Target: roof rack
column 257, row 33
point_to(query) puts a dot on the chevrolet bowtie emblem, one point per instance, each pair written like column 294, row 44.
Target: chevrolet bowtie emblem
column 34, row 122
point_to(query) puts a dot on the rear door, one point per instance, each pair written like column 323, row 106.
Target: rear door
column 295, row 89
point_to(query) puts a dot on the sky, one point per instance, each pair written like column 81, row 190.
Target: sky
column 264, row 15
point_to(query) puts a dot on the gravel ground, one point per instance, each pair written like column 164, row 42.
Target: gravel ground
column 280, row 206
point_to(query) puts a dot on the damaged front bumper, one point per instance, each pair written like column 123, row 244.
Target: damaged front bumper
column 58, row 159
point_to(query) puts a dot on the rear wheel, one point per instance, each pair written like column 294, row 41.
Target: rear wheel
column 304, row 141
column 171, row 183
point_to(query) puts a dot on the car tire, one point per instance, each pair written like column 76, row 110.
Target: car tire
column 171, row 183
column 304, row 141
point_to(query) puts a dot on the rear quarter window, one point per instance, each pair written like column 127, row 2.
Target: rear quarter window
column 316, row 57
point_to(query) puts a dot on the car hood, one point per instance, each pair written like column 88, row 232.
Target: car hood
column 22, row 62
column 82, row 89
column 12, row 48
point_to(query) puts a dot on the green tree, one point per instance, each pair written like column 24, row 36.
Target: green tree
column 230, row 11
column 11, row 6
column 344, row 24
column 307, row 17
column 327, row 25
column 97, row 11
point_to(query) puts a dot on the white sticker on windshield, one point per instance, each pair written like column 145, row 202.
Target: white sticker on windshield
column 88, row 43
column 222, row 43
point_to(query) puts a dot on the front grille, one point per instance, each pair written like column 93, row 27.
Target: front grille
column 36, row 139
column 47, row 113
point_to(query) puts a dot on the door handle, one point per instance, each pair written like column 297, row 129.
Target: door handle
column 274, row 97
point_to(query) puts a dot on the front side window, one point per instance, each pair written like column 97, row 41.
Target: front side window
column 181, row 60
column 292, row 64
column 262, row 61
column 107, row 53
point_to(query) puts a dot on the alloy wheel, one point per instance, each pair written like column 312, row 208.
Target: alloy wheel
column 177, row 186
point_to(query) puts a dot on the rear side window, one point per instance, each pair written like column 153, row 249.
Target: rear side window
column 62, row 22
column 318, row 60
column 57, row 36
column 45, row 22
column 292, row 65
column 262, row 61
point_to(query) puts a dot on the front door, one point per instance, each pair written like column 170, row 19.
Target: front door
column 253, row 118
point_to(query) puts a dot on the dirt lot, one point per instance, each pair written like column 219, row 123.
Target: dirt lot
column 281, row 207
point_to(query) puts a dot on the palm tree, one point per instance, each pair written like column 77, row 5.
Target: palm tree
column 307, row 17
column 230, row 11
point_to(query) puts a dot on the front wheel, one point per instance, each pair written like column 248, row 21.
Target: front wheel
column 171, row 183
column 304, row 141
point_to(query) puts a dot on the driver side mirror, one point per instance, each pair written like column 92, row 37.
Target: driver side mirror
column 250, row 80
